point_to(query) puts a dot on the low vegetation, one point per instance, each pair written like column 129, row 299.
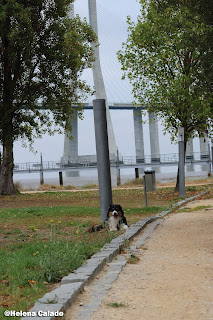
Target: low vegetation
column 198, row 208
column 117, row 305
column 44, row 236
column 133, row 259
column 90, row 186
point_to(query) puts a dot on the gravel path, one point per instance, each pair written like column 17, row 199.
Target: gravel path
column 173, row 279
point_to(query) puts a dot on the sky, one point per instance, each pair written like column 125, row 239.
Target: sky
column 112, row 16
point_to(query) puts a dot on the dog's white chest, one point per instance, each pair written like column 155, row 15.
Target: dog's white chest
column 113, row 223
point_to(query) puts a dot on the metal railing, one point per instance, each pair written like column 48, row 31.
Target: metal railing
column 171, row 158
column 167, row 158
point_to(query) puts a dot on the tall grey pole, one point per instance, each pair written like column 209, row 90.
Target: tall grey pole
column 144, row 189
column 209, row 171
column 102, row 151
column 118, row 170
column 212, row 156
column 41, row 172
column 181, row 163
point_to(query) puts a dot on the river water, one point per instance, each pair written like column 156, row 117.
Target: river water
column 82, row 177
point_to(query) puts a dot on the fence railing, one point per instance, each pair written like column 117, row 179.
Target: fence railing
column 123, row 161
column 167, row 158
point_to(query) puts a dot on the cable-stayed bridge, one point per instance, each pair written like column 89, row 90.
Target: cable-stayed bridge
column 106, row 78
column 112, row 31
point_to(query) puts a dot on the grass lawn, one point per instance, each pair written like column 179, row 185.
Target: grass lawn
column 45, row 236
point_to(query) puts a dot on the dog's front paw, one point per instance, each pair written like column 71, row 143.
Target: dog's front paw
column 123, row 226
column 113, row 229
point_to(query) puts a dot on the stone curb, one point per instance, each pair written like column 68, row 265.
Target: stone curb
column 61, row 298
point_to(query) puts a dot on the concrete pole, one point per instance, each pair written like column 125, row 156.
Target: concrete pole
column 209, row 162
column 154, row 138
column 181, row 170
column 136, row 173
column 118, row 176
column 181, row 148
column 60, row 178
column 71, row 145
column 144, row 189
column 41, row 172
column 103, row 162
column 212, row 156
column 118, row 170
column 138, row 129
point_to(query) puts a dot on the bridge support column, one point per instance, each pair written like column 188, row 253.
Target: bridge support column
column 71, row 145
column 138, row 129
column 204, row 148
column 189, row 150
column 154, row 138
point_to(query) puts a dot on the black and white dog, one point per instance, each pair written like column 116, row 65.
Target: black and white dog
column 116, row 218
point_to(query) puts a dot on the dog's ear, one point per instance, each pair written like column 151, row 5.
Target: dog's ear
column 110, row 209
column 119, row 208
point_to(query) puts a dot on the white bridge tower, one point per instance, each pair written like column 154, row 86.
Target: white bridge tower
column 100, row 91
column 71, row 146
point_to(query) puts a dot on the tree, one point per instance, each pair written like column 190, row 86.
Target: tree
column 165, row 59
column 42, row 55
column 202, row 9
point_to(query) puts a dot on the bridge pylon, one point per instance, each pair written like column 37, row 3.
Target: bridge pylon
column 70, row 146
column 100, row 91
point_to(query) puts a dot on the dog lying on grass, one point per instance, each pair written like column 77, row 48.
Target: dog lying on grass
column 116, row 220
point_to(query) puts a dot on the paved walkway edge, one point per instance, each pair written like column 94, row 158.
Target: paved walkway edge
column 60, row 299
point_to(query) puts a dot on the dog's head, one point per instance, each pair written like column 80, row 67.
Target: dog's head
column 115, row 210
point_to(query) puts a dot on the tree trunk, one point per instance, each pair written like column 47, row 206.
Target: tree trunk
column 6, row 170
column 177, row 181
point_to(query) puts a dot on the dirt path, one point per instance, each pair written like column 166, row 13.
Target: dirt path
column 173, row 279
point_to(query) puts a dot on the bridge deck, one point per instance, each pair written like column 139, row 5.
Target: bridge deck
column 114, row 106
column 125, row 162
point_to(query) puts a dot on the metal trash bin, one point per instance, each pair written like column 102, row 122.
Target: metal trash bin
column 150, row 180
